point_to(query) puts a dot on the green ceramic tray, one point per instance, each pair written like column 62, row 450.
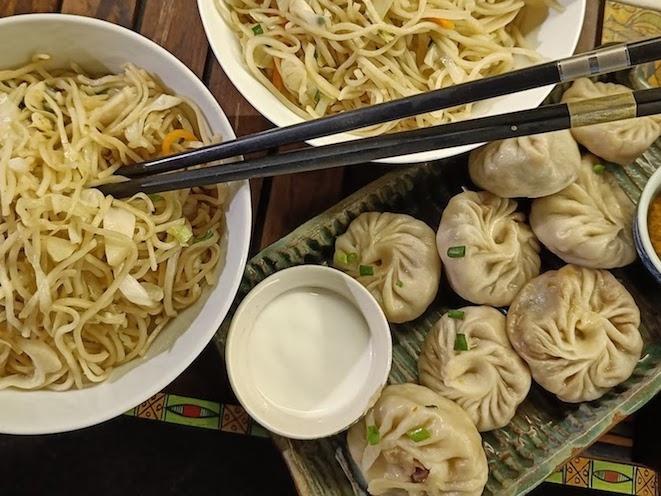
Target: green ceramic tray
column 545, row 432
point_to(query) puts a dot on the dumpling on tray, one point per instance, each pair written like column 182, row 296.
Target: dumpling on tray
column 394, row 256
column 415, row 442
column 529, row 166
column 588, row 223
column 488, row 251
column 467, row 358
column 620, row 142
column 578, row 330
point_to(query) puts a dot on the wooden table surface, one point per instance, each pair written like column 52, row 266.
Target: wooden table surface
column 130, row 456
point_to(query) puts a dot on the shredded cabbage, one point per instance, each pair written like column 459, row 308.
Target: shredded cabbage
column 87, row 282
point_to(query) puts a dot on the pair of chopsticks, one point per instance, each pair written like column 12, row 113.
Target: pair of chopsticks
column 156, row 175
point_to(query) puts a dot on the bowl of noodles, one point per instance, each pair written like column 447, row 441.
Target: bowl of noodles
column 295, row 60
column 103, row 301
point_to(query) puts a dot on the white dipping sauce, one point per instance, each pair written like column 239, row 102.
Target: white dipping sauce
column 310, row 350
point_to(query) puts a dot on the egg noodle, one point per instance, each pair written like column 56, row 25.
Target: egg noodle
column 86, row 281
column 323, row 57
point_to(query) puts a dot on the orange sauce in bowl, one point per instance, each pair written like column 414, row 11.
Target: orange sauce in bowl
column 654, row 224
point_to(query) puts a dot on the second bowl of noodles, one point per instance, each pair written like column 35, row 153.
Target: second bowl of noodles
column 103, row 301
column 295, row 60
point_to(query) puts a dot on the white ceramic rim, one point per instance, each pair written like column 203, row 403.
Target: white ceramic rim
column 242, row 194
column 651, row 190
column 309, row 276
column 241, row 78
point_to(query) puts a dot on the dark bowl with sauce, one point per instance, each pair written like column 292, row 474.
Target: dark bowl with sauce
column 647, row 226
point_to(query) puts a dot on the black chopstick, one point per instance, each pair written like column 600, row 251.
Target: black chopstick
column 593, row 63
column 540, row 120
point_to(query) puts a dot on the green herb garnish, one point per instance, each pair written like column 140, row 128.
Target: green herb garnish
column 399, row 284
column 456, row 314
column 599, row 168
column 352, row 258
column 182, row 234
column 341, row 258
column 257, row 29
column 418, row 434
column 156, row 198
column 317, row 97
column 373, row 435
column 460, row 343
column 457, row 251
column 366, row 270
column 321, row 20
column 204, row 237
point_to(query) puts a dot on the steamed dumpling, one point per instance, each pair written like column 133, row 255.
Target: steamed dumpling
column 394, row 256
column 620, row 142
column 415, row 442
column 488, row 251
column 530, row 166
column 485, row 377
column 578, row 331
column 588, row 223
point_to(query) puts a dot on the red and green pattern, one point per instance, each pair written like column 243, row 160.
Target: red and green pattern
column 602, row 475
column 194, row 412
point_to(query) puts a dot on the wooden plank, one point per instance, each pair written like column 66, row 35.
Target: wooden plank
column 297, row 198
column 176, row 25
column 12, row 7
column 242, row 116
column 118, row 11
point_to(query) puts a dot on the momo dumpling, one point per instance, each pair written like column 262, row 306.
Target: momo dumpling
column 529, row 166
column 588, row 223
column 620, row 142
column 577, row 329
column 467, row 358
column 415, row 442
column 488, row 251
column 394, row 256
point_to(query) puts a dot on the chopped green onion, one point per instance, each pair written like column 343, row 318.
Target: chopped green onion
column 366, row 270
column 204, row 237
column 341, row 258
column 460, row 343
column 317, row 96
column 457, row 251
column 418, row 434
column 257, row 29
column 352, row 258
column 156, row 198
column 321, row 20
column 599, row 168
column 182, row 234
column 399, row 284
column 456, row 314
column 373, row 435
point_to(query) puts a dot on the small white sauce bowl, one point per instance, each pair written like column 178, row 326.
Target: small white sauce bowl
column 336, row 411
column 641, row 233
